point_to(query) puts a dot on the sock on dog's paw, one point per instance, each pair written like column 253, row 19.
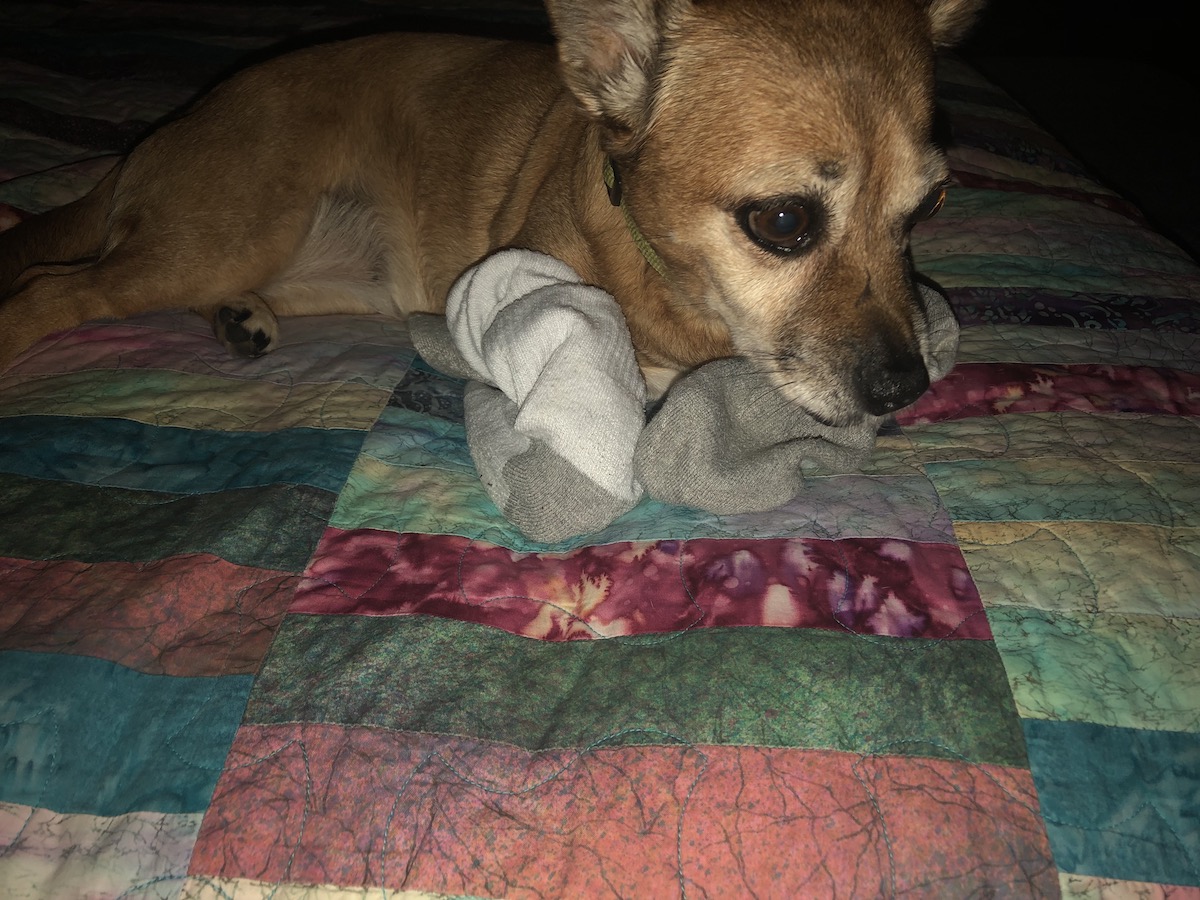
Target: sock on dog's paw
column 246, row 327
column 556, row 402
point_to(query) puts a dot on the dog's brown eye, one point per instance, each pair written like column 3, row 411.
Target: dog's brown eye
column 782, row 228
column 932, row 204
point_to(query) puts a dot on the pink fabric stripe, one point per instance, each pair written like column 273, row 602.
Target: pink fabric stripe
column 187, row 615
column 865, row 585
column 990, row 389
column 313, row 350
column 323, row 804
column 127, row 344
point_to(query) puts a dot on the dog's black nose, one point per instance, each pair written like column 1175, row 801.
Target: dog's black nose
column 893, row 384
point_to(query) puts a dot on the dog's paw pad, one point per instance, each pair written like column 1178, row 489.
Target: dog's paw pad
column 247, row 331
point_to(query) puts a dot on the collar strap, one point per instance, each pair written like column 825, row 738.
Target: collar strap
column 612, row 181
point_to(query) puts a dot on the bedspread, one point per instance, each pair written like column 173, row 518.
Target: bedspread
column 262, row 633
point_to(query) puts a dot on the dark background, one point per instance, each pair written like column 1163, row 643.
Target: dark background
column 1117, row 84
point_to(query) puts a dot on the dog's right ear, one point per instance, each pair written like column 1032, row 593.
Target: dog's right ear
column 609, row 55
column 950, row 20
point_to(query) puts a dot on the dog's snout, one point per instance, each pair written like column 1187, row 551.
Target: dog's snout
column 890, row 381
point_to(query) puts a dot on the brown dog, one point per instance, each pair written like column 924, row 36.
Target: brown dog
column 774, row 156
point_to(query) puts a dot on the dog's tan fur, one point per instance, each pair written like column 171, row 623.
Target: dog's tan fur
column 366, row 176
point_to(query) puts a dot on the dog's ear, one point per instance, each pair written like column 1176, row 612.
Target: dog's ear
column 609, row 54
column 950, row 20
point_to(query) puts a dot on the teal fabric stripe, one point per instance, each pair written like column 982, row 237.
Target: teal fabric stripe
column 124, row 453
column 274, row 527
column 83, row 735
column 1119, row 802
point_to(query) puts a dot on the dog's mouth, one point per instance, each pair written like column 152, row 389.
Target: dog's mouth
column 793, row 383
column 845, row 395
column 844, row 422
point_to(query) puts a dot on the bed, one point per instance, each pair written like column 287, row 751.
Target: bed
column 262, row 634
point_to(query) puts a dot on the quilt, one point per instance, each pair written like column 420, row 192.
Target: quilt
column 262, row 634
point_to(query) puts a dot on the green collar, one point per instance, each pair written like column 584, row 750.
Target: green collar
column 612, row 181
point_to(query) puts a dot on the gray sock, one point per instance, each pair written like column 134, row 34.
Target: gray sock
column 726, row 440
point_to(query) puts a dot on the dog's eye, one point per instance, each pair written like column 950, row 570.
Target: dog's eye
column 779, row 227
column 932, row 204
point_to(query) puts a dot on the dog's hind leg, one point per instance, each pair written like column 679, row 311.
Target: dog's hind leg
column 60, row 240
column 143, row 271
column 343, row 265
column 204, row 210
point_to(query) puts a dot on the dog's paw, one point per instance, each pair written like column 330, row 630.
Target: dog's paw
column 246, row 327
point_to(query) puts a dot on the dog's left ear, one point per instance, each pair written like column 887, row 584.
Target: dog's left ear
column 950, row 20
column 609, row 53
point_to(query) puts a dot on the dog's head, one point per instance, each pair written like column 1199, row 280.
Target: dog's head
column 776, row 155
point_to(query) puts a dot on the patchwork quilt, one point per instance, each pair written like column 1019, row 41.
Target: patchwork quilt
column 262, row 634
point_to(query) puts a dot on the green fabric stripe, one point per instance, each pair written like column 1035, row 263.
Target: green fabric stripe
column 1084, row 566
column 1034, row 490
column 274, row 527
column 1054, row 345
column 1125, row 670
column 738, row 686
column 1058, row 435
column 187, row 400
column 1026, row 269
column 975, row 204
